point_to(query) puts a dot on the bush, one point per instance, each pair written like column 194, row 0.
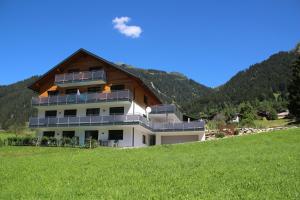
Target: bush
column 219, row 135
column 52, row 141
column 1, row 143
column 91, row 143
column 65, row 141
column 75, row 141
column 236, row 132
column 44, row 141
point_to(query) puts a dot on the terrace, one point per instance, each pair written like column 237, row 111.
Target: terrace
column 36, row 122
column 80, row 78
column 165, row 109
column 115, row 96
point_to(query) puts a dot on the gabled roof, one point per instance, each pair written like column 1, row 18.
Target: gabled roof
column 81, row 51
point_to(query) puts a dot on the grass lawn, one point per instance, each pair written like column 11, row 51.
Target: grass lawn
column 261, row 166
column 271, row 123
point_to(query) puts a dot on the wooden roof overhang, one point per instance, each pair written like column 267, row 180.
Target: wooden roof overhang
column 82, row 52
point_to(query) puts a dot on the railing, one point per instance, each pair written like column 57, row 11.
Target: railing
column 123, row 95
column 80, row 76
column 179, row 126
column 166, row 108
column 35, row 122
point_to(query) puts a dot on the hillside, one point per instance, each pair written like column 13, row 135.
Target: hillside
column 15, row 104
column 262, row 81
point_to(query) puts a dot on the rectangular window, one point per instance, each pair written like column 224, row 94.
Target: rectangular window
column 91, row 134
column 116, row 111
column 68, row 134
column 117, row 87
column 95, row 68
column 92, row 112
column 144, row 139
column 49, row 133
column 70, row 113
column 94, row 89
column 50, row 113
column 145, row 99
column 71, row 91
column 73, row 70
column 52, row 93
column 115, row 135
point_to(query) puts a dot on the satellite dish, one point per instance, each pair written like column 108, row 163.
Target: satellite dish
column 148, row 109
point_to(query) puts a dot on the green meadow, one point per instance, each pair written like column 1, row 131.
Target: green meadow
column 260, row 166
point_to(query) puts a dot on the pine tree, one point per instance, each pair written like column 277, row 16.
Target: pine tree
column 294, row 90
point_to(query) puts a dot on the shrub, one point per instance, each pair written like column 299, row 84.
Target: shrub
column 75, row 141
column 219, row 135
column 27, row 140
column 52, row 141
column 236, row 132
column 44, row 141
column 65, row 141
column 1, row 143
column 91, row 143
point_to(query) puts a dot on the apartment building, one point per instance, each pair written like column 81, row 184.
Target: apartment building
column 86, row 96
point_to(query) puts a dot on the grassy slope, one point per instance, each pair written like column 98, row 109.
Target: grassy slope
column 264, row 166
column 272, row 123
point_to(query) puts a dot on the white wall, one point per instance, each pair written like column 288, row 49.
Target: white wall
column 201, row 135
column 129, row 109
column 103, row 134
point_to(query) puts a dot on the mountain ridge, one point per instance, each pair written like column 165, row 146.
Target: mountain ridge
column 257, row 82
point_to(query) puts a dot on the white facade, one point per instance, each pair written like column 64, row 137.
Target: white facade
column 134, row 135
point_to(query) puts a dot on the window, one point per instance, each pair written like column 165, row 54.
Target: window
column 117, row 87
column 50, row 113
column 48, row 133
column 52, row 93
column 71, row 91
column 68, row 134
column 70, row 113
column 145, row 99
column 95, row 68
column 93, row 134
column 92, row 112
column 116, row 111
column 144, row 139
column 73, row 70
column 115, row 135
column 94, row 89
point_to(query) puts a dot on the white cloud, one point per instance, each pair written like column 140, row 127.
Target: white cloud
column 120, row 23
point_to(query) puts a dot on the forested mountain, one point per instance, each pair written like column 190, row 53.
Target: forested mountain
column 15, row 104
column 267, row 80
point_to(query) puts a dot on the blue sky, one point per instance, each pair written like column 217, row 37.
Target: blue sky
column 209, row 41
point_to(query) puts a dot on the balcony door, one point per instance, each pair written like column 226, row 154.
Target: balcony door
column 68, row 134
column 91, row 134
